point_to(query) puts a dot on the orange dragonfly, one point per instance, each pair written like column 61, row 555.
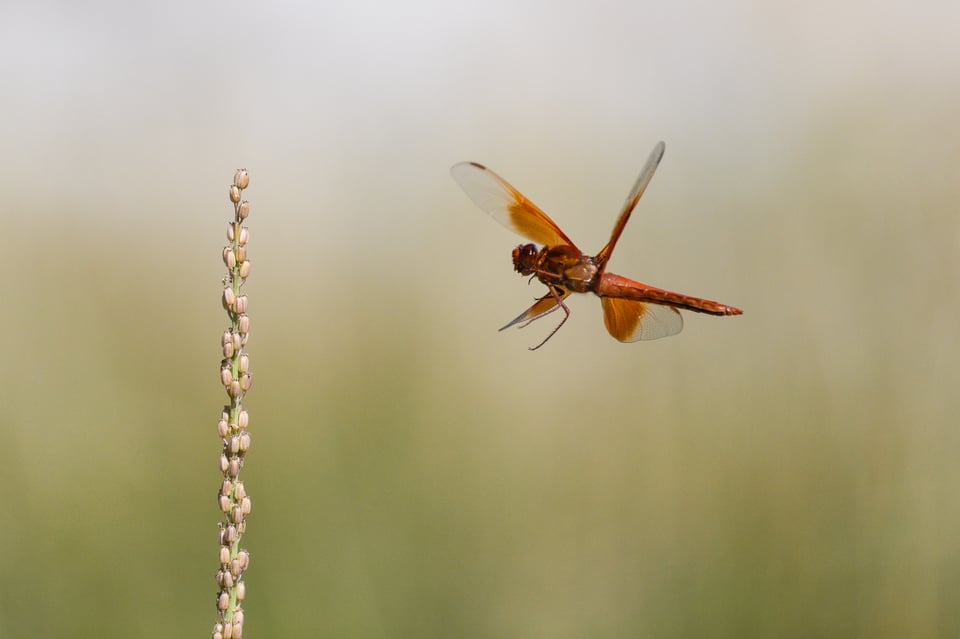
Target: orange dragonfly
column 631, row 311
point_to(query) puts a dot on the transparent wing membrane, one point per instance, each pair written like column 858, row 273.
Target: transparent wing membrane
column 634, row 196
column 507, row 205
column 632, row 321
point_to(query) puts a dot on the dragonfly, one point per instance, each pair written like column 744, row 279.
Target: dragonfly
column 631, row 311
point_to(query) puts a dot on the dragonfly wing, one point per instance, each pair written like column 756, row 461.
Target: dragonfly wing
column 632, row 321
column 543, row 306
column 632, row 198
column 507, row 205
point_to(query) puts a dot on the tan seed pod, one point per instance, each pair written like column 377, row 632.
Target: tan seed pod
column 224, row 579
column 241, row 179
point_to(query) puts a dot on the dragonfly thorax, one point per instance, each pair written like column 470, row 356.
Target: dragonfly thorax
column 557, row 266
column 581, row 277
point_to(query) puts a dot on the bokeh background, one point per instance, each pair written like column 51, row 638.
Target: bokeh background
column 788, row 473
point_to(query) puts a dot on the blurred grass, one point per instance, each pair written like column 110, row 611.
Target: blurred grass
column 416, row 474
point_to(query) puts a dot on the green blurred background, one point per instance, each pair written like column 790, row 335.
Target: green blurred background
column 788, row 473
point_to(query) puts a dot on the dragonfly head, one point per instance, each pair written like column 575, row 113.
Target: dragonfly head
column 525, row 259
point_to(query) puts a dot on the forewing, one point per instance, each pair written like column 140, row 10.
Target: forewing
column 543, row 306
column 632, row 198
column 632, row 321
column 507, row 205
